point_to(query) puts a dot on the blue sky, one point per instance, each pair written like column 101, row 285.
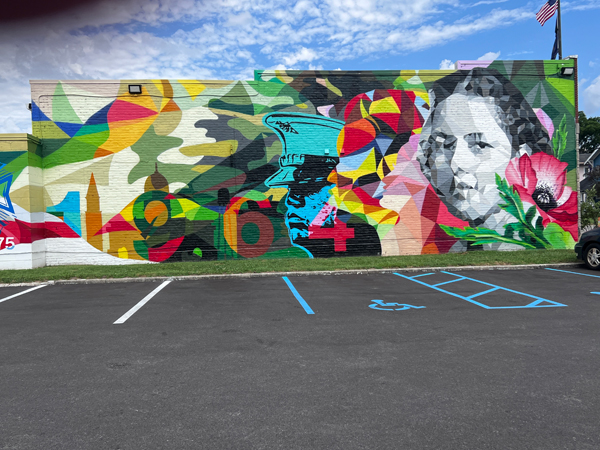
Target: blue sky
column 228, row 39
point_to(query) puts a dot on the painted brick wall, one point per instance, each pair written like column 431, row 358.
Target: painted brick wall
column 303, row 164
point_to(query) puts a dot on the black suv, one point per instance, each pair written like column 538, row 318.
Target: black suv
column 588, row 248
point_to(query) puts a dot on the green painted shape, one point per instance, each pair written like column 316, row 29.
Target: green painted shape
column 236, row 99
column 176, row 208
column 292, row 252
column 71, row 152
column 268, row 88
column 261, row 108
column 96, row 139
column 562, row 91
column 249, row 130
column 257, row 164
column 17, row 165
column 274, row 150
column 201, row 199
column 62, row 111
column 92, row 129
column 572, row 179
column 49, row 146
column 213, row 177
column 250, row 233
column 8, row 157
column 198, row 252
column 203, row 214
column 149, row 147
column 247, row 109
column 256, row 196
column 558, row 238
column 141, row 248
column 49, row 130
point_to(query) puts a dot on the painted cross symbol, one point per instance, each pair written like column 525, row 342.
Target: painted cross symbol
column 377, row 303
column 340, row 233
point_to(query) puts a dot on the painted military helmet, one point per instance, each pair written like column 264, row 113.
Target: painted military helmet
column 302, row 135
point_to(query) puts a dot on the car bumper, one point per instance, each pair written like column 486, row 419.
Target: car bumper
column 579, row 251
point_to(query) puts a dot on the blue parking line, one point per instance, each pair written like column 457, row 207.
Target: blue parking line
column 451, row 281
column 444, row 291
column 484, row 292
column 298, row 296
column 574, row 273
column 500, row 287
column 422, row 275
column 538, row 303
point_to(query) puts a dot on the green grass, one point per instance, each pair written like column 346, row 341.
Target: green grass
column 480, row 258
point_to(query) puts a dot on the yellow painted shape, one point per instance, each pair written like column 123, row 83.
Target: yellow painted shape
column 127, row 212
column 125, row 136
column 202, row 168
column 363, row 110
column 223, row 149
column 193, row 87
column 369, row 165
column 187, row 205
column 123, row 253
column 167, row 122
column 332, row 88
column 385, row 105
column 281, row 75
column 49, row 130
column 159, row 85
column 384, row 216
column 276, row 194
column 145, row 99
column 230, row 223
column 422, row 94
column 391, row 163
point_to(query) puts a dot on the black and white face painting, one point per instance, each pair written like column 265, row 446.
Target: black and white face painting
column 462, row 148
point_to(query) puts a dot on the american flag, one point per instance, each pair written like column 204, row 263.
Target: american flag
column 547, row 11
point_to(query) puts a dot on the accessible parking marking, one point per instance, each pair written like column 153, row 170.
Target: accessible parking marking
column 298, row 296
column 141, row 303
column 22, row 292
column 538, row 303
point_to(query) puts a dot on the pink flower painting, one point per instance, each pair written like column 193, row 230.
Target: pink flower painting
column 540, row 180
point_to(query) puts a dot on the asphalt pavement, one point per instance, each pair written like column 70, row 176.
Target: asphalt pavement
column 499, row 359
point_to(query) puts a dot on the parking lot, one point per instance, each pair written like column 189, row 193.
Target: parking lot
column 490, row 359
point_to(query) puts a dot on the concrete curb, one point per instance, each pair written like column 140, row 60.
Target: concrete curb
column 303, row 273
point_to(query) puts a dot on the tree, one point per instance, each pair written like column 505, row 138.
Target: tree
column 594, row 175
column 590, row 208
column 589, row 133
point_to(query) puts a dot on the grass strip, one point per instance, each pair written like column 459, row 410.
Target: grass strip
column 476, row 258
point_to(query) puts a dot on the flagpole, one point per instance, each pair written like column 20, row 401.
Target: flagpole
column 559, row 37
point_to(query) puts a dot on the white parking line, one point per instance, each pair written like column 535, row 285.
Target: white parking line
column 142, row 302
column 22, row 292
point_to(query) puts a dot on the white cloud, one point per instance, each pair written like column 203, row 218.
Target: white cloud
column 304, row 54
column 440, row 33
column 219, row 39
column 580, row 6
column 446, row 64
column 489, row 56
column 591, row 98
column 487, row 2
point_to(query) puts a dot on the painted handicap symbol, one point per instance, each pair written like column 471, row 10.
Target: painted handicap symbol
column 377, row 303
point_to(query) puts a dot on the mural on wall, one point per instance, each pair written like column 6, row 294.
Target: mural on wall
column 311, row 164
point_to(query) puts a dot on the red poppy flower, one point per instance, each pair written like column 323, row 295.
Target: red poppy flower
column 540, row 180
